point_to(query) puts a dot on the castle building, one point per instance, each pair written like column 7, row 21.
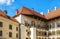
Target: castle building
column 29, row 24
column 9, row 27
column 38, row 26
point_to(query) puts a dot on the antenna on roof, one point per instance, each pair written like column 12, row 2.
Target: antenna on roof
column 48, row 10
column 55, row 7
column 17, row 11
column 42, row 13
column 5, row 11
column 33, row 9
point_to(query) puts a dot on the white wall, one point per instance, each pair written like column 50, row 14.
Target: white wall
column 33, row 33
column 23, row 29
column 21, row 19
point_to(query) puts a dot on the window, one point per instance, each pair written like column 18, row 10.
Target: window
column 10, row 34
column 38, row 26
column 10, row 27
column 39, row 38
column 53, row 25
column 26, row 30
column 58, row 32
column 45, row 33
column 16, row 35
column 58, row 37
column 33, row 23
column 26, row 38
column 26, row 23
column 0, row 33
column 1, row 24
column 28, row 33
column 47, row 27
column 16, row 28
column 50, row 26
column 58, row 24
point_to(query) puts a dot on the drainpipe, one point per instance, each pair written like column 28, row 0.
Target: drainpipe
column 19, row 32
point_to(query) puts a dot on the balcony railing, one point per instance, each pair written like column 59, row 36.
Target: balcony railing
column 34, row 25
column 41, row 34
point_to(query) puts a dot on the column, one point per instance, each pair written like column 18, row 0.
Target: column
column 55, row 30
column 33, row 33
column 23, row 32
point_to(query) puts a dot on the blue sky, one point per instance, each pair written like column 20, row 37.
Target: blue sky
column 38, row 5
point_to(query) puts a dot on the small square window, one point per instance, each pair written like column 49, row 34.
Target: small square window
column 10, row 34
column 1, row 24
column 16, row 28
column 0, row 33
column 10, row 27
column 26, row 38
column 16, row 35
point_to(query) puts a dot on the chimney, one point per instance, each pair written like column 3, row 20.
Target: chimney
column 17, row 11
column 5, row 11
column 55, row 7
column 48, row 10
column 42, row 13
column 33, row 9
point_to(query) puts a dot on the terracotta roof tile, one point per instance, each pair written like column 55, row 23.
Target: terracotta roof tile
column 3, row 14
column 6, row 16
column 50, row 15
column 53, row 14
column 27, row 11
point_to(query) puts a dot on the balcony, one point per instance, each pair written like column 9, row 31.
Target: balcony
column 54, row 33
column 33, row 24
column 41, row 33
column 41, row 37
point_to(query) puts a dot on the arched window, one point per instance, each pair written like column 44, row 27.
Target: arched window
column 26, row 23
column 32, row 23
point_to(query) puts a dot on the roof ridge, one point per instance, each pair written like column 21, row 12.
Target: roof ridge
column 28, row 11
column 3, row 14
column 31, row 10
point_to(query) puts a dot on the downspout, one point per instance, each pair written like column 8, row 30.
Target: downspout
column 19, row 32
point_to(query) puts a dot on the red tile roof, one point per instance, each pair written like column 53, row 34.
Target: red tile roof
column 50, row 15
column 27, row 11
column 53, row 14
column 6, row 16
column 2, row 13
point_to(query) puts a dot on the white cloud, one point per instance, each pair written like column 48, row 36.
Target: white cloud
column 2, row 1
column 13, row 0
column 7, row 2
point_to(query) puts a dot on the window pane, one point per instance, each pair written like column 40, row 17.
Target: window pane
column 58, row 24
column 16, row 28
column 53, row 25
column 1, row 24
column 16, row 35
column 26, row 38
column 10, row 26
column 0, row 33
column 32, row 23
column 10, row 34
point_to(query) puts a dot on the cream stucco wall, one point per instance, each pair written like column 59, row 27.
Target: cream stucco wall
column 5, row 29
